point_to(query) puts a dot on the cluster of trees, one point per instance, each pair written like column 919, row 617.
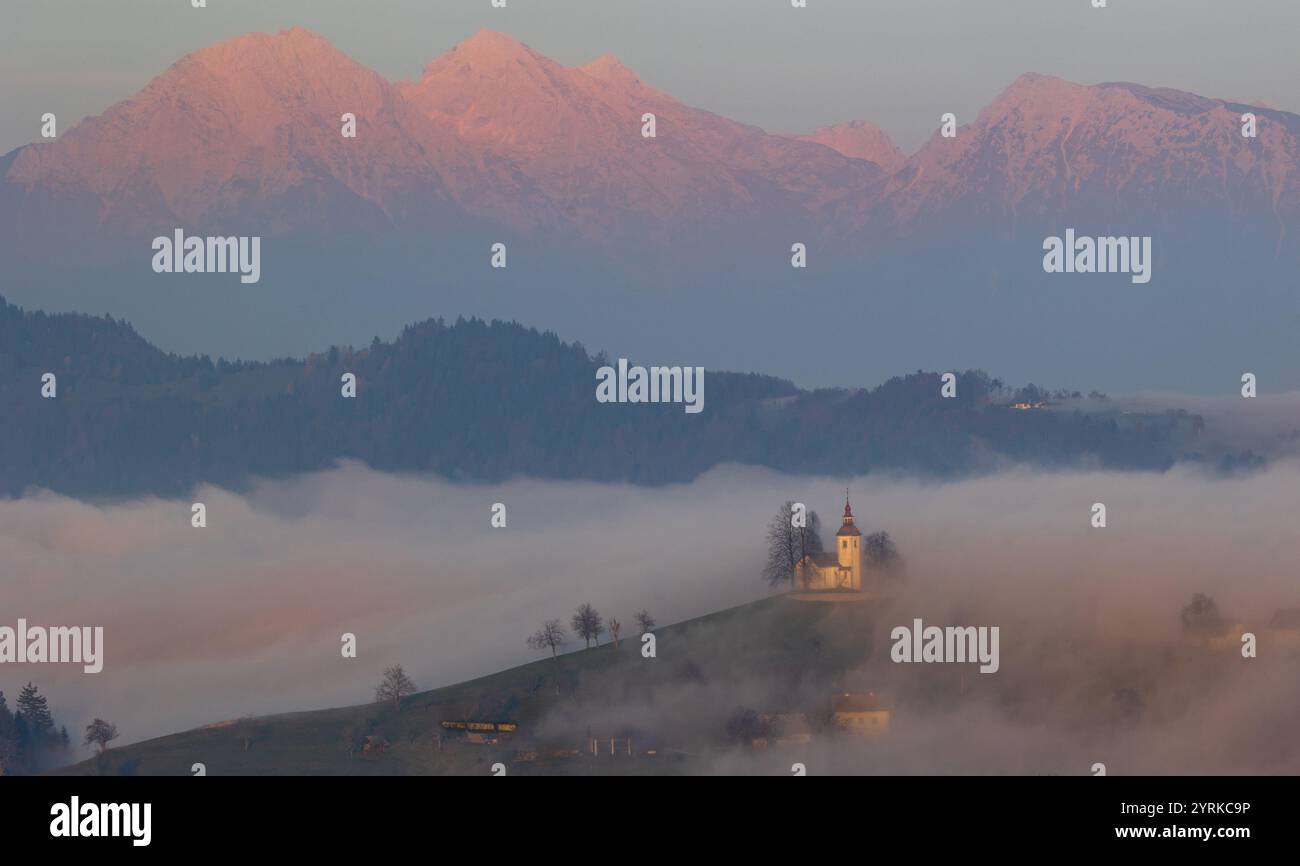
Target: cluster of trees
column 1032, row 393
column 29, row 736
column 587, row 624
column 794, row 534
column 480, row 401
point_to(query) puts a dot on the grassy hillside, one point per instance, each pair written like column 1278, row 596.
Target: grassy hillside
column 778, row 655
column 685, row 710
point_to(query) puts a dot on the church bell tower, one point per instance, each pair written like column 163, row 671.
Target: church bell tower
column 848, row 546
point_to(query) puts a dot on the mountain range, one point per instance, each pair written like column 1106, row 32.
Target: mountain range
column 248, row 131
column 494, row 142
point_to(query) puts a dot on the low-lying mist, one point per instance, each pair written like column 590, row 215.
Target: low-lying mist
column 245, row 616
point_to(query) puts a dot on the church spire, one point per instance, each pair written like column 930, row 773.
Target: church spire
column 847, row 528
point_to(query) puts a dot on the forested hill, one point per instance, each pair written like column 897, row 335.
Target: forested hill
column 484, row 401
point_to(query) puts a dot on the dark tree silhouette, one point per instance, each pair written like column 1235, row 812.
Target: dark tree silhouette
column 588, row 624
column 35, row 711
column 1201, row 616
column 394, row 686
column 788, row 544
column 100, row 733
column 8, row 736
column 550, row 636
column 880, row 552
column 645, row 621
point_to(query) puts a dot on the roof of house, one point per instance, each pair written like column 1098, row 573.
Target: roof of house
column 858, row 702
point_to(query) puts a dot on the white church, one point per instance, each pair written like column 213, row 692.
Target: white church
column 838, row 569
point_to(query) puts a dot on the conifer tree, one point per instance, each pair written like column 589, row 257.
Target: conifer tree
column 35, row 711
column 8, row 737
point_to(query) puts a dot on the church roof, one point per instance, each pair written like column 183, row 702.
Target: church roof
column 847, row 529
column 824, row 560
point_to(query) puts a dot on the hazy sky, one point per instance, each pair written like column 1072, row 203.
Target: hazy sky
column 899, row 64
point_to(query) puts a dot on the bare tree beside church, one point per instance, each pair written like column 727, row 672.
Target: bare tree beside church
column 791, row 535
column 881, row 553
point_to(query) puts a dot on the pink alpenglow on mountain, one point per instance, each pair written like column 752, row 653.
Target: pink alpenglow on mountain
column 243, row 137
column 860, row 139
column 1122, row 151
column 574, row 134
column 248, row 131
column 244, row 132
